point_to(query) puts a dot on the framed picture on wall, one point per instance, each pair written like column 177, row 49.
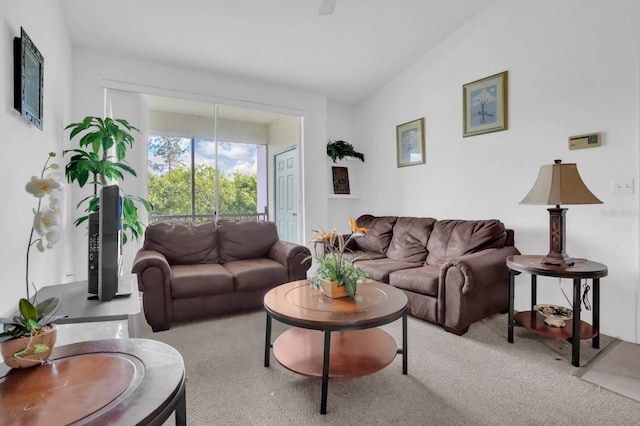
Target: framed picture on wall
column 340, row 180
column 484, row 105
column 410, row 143
column 28, row 78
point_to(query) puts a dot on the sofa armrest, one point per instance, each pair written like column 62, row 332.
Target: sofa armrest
column 291, row 255
column 154, row 281
column 146, row 259
column 479, row 270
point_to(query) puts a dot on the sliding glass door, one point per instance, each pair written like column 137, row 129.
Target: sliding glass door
column 209, row 162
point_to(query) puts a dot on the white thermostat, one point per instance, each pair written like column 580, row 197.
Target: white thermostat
column 584, row 141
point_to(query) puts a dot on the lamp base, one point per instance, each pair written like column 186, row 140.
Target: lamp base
column 554, row 259
column 557, row 255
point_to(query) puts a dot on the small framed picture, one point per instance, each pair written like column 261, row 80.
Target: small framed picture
column 484, row 105
column 410, row 143
column 340, row 180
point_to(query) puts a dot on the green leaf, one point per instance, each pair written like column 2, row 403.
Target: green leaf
column 47, row 306
column 27, row 310
column 107, row 142
column 33, row 325
column 39, row 348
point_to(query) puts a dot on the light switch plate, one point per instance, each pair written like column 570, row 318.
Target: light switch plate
column 622, row 185
column 584, row 141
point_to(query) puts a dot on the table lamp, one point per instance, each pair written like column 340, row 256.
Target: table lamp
column 559, row 184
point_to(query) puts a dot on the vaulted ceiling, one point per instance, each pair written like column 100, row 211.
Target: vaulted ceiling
column 345, row 56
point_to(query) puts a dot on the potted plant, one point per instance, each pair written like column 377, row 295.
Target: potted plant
column 337, row 275
column 339, row 149
column 28, row 338
column 95, row 164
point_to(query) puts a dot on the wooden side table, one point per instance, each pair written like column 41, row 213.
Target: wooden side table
column 534, row 321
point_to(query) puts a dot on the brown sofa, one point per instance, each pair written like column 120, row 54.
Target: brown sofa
column 188, row 270
column 453, row 271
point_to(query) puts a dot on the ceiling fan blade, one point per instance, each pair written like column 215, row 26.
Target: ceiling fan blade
column 327, row 7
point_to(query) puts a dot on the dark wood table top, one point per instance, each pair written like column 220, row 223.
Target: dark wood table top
column 115, row 381
column 297, row 303
column 532, row 264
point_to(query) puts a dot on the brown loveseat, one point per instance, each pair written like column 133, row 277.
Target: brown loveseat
column 453, row 271
column 188, row 270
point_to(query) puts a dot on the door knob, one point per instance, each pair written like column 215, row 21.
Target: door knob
column 294, row 214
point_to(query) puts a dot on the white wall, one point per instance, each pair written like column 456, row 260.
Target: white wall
column 573, row 69
column 25, row 147
column 95, row 70
column 340, row 126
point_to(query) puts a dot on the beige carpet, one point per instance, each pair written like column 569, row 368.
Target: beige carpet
column 475, row 379
column 617, row 368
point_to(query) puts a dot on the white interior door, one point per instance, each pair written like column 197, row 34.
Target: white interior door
column 286, row 194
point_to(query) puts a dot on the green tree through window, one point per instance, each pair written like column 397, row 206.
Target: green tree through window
column 171, row 182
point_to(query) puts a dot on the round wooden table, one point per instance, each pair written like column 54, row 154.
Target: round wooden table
column 115, row 381
column 335, row 338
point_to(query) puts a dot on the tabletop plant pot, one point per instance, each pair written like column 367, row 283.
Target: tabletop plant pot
column 28, row 337
column 332, row 289
column 30, row 351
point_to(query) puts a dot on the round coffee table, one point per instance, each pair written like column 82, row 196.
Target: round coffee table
column 335, row 338
column 114, row 381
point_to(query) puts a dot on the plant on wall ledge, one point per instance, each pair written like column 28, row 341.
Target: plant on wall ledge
column 339, row 149
column 94, row 163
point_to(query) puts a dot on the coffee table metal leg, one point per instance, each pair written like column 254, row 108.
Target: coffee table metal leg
column 325, row 371
column 267, row 342
column 181, row 409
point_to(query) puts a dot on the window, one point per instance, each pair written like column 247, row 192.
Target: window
column 192, row 179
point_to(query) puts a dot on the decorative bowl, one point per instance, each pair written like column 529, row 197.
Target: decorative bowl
column 555, row 316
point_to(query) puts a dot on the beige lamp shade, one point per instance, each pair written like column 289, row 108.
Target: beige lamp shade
column 559, row 184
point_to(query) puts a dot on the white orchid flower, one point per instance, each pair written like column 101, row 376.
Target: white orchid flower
column 46, row 221
column 55, row 204
column 52, row 237
column 40, row 187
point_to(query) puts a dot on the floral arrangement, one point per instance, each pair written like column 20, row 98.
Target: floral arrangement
column 332, row 263
column 47, row 217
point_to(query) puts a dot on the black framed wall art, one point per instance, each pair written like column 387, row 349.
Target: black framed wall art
column 28, row 78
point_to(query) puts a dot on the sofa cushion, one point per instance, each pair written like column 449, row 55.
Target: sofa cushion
column 378, row 237
column 379, row 269
column 183, row 243
column 423, row 280
column 362, row 255
column 200, row 280
column 255, row 274
column 410, row 236
column 453, row 238
column 245, row 239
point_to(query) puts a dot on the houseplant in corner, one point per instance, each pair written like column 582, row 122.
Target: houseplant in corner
column 95, row 163
column 337, row 275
